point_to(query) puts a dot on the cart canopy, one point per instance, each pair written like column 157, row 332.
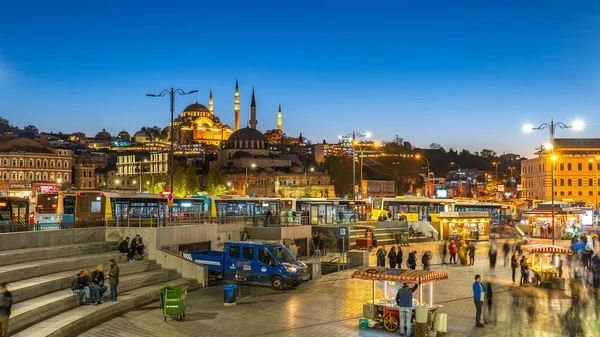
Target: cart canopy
column 546, row 249
column 399, row 275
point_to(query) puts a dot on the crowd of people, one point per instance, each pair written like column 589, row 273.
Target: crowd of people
column 396, row 255
column 91, row 286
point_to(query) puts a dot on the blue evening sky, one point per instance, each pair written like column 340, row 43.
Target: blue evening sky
column 465, row 74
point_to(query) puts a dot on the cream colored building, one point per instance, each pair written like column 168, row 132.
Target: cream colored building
column 576, row 172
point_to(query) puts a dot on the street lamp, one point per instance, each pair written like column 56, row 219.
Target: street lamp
column 497, row 164
column 459, row 176
column 361, row 149
column 171, row 92
column 228, row 187
column 576, row 125
column 246, row 189
column 418, row 156
column 355, row 136
column 596, row 164
column 511, row 169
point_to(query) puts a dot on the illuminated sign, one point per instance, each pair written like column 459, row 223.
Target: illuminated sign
column 441, row 193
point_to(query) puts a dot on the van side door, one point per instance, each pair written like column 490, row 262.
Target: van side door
column 266, row 266
column 232, row 256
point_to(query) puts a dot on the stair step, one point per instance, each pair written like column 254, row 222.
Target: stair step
column 26, row 270
column 43, row 253
column 79, row 320
column 37, row 286
column 38, row 309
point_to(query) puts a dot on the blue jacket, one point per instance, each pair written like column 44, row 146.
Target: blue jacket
column 404, row 297
column 477, row 289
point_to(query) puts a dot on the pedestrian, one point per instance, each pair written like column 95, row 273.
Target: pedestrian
column 404, row 299
column 425, row 260
column 392, row 257
column 412, row 260
column 399, row 257
column 506, row 251
column 453, row 250
column 518, row 248
column 514, row 264
column 492, row 255
column 560, row 265
column 478, row 298
column 490, row 309
column 6, row 301
column 444, row 252
column 98, row 279
column 80, row 286
column 463, row 252
column 113, row 279
column 524, row 271
column 471, row 253
column 381, row 253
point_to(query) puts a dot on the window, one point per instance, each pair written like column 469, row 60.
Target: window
column 66, row 164
column 59, row 176
column 265, row 257
column 45, row 163
column 318, row 182
column 52, row 164
column 234, row 252
column 90, row 174
column 38, row 176
column 45, row 176
column 580, row 193
column 84, row 174
column 248, row 253
column 579, row 182
column 59, row 164
column 590, row 166
column 96, row 206
column 89, row 184
column 294, row 182
column 579, row 166
column 5, row 176
column 569, row 193
column 13, row 176
column 562, row 182
column 21, row 176
column 5, row 162
column 569, row 182
column 591, row 193
column 562, row 193
column 38, row 163
column 30, row 162
column 569, row 167
column 14, row 163
column 555, row 193
column 562, row 166
column 21, row 162
column 30, row 176
column 66, row 177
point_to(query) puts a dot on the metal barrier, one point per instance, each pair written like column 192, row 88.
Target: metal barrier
column 18, row 227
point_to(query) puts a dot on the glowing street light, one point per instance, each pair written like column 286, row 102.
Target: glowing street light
column 355, row 136
column 419, row 156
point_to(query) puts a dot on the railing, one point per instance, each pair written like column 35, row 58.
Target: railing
column 18, row 227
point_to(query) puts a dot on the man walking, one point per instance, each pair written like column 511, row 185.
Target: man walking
column 412, row 260
column 514, row 264
column 381, row 257
column 444, row 252
column 478, row 297
column 113, row 279
column 471, row 249
column 506, row 251
column 489, row 309
column 492, row 255
column 404, row 299
column 5, row 304
column 399, row 255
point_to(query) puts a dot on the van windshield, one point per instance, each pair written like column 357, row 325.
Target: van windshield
column 283, row 255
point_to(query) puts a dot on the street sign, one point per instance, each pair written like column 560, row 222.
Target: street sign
column 170, row 200
column 342, row 231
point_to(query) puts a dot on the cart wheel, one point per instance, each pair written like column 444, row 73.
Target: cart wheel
column 390, row 322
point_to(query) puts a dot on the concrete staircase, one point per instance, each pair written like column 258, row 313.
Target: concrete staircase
column 40, row 279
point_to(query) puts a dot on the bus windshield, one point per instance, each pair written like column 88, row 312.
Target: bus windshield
column 282, row 254
column 47, row 203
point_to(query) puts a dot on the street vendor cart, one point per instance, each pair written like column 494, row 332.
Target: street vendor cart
column 385, row 309
column 542, row 265
column 367, row 240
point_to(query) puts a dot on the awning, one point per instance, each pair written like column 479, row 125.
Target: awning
column 546, row 249
column 399, row 275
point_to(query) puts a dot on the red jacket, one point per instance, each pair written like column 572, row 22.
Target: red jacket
column 452, row 248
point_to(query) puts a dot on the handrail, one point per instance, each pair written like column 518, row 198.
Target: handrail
column 187, row 268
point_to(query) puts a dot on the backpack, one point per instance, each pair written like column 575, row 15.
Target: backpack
column 381, row 254
column 75, row 283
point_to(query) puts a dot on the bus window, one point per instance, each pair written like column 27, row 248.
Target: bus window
column 69, row 204
column 96, row 207
column 4, row 210
column 47, row 203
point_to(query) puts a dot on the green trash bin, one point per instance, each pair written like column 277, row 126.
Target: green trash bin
column 173, row 301
column 559, row 283
column 402, row 239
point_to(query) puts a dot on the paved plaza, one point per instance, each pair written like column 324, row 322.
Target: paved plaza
column 332, row 305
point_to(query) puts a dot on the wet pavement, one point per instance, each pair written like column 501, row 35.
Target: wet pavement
column 332, row 306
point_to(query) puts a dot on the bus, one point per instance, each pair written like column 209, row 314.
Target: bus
column 95, row 207
column 353, row 210
column 13, row 210
column 232, row 208
column 412, row 208
column 500, row 213
column 54, row 208
column 315, row 211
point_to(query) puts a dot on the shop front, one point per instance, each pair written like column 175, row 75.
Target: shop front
column 466, row 225
column 566, row 220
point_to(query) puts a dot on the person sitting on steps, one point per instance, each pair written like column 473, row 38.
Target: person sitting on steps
column 124, row 246
column 137, row 247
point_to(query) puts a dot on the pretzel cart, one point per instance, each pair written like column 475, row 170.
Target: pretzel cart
column 367, row 240
column 542, row 265
column 385, row 309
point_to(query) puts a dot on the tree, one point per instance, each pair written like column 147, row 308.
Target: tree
column 156, row 184
column 340, row 171
column 5, row 125
column 435, row 146
column 274, row 136
column 31, row 128
column 216, row 181
column 192, row 181
column 185, row 182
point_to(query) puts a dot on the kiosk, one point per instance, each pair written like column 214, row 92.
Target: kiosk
column 541, row 262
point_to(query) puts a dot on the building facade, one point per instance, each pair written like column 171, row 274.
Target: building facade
column 575, row 175
column 84, row 177
column 27, row 167
column 136, row 168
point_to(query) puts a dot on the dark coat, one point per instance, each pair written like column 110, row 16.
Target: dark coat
column 124, row 247
column 6, row 299
column 392, row 256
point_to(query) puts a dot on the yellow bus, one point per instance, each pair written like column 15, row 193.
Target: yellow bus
column 412, row 208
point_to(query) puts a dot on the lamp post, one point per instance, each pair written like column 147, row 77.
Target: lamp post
column 511, row 169
column 312, row 169
column 361, row 150
column 246, row 188
column 576, row 125
column 596, row 164
column 459, row 176
column 354, row 136
column 171, row 92
column 496, row 163
column 418, row 156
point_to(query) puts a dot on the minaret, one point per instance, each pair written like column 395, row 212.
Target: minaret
column 279, row 121
column 210, row 103
column 236, row 107
column 253, row 120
